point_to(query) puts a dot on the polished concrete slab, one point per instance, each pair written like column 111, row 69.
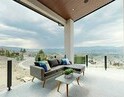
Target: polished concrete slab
column 96, row 83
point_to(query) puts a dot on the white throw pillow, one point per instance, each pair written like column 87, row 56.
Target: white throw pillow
column 67, row 60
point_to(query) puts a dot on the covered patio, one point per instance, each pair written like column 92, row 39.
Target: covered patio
column 65, row 13
column 96, row 83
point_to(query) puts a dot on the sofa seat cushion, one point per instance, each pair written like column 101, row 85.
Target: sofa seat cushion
column 77, row 67
column 54, row 70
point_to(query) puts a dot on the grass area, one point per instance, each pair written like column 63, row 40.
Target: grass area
column 79, row 59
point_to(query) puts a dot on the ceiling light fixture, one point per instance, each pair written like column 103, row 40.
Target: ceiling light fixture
column 73, row 9
column 85, row 1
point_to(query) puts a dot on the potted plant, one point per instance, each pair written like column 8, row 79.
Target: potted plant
column 68, row 73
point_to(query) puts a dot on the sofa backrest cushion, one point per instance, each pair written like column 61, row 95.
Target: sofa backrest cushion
column 53, row 62
column 59, row 61
column 36, row 63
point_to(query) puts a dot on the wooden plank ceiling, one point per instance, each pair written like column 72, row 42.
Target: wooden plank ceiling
column 74, row 9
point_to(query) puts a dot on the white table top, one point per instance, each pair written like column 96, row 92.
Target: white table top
column 69, row 80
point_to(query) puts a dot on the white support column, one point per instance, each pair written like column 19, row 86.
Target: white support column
column 69, row 39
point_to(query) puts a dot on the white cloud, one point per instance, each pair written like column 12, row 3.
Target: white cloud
column 107, row 11
column 14, row 29
column 26, row 24
column 22, row 27
column 77, row 31
column 18, row 42
column 3, row 36
column 105, row 42
column 104, row 27
column 105, row 35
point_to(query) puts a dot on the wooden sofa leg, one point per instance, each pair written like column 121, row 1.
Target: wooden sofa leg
column 44, row 83
column 33, row 79
column 83, row 73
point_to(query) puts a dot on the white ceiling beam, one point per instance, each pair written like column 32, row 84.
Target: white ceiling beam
column 41, row 9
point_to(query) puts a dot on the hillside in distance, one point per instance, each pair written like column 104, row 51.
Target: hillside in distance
column 100, row 50
column 77, row 50
column 91, row 50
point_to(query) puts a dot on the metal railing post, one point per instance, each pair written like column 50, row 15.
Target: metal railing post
column 105, row 62
column 9, row 74
column 86, row 60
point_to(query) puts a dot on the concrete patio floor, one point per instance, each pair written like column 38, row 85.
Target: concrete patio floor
column 96, row 83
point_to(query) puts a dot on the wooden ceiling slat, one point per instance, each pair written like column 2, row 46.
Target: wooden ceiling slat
column 64, row 8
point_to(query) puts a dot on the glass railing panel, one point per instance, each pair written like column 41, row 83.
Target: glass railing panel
column 3, row 73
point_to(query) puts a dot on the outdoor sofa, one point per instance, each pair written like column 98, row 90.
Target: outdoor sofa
column 56, row 69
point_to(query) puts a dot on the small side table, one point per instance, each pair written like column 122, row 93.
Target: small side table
column 62, row 79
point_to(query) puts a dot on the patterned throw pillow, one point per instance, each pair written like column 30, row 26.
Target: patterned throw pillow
column 43, row 66
column 65, row 61
column 47, row 64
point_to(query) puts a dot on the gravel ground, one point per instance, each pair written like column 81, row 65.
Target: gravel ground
column 19, row 75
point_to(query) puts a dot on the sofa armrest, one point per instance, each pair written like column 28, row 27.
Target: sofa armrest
column 37, row 72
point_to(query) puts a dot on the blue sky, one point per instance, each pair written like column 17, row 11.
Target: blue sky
column 21, row 27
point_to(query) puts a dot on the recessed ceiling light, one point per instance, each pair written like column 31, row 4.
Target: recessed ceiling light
column 73, row 9
column 85, row 1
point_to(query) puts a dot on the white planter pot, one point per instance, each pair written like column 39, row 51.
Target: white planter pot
column 69, row 76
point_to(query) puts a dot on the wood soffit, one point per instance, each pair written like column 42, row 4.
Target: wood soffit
column 74, row 9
